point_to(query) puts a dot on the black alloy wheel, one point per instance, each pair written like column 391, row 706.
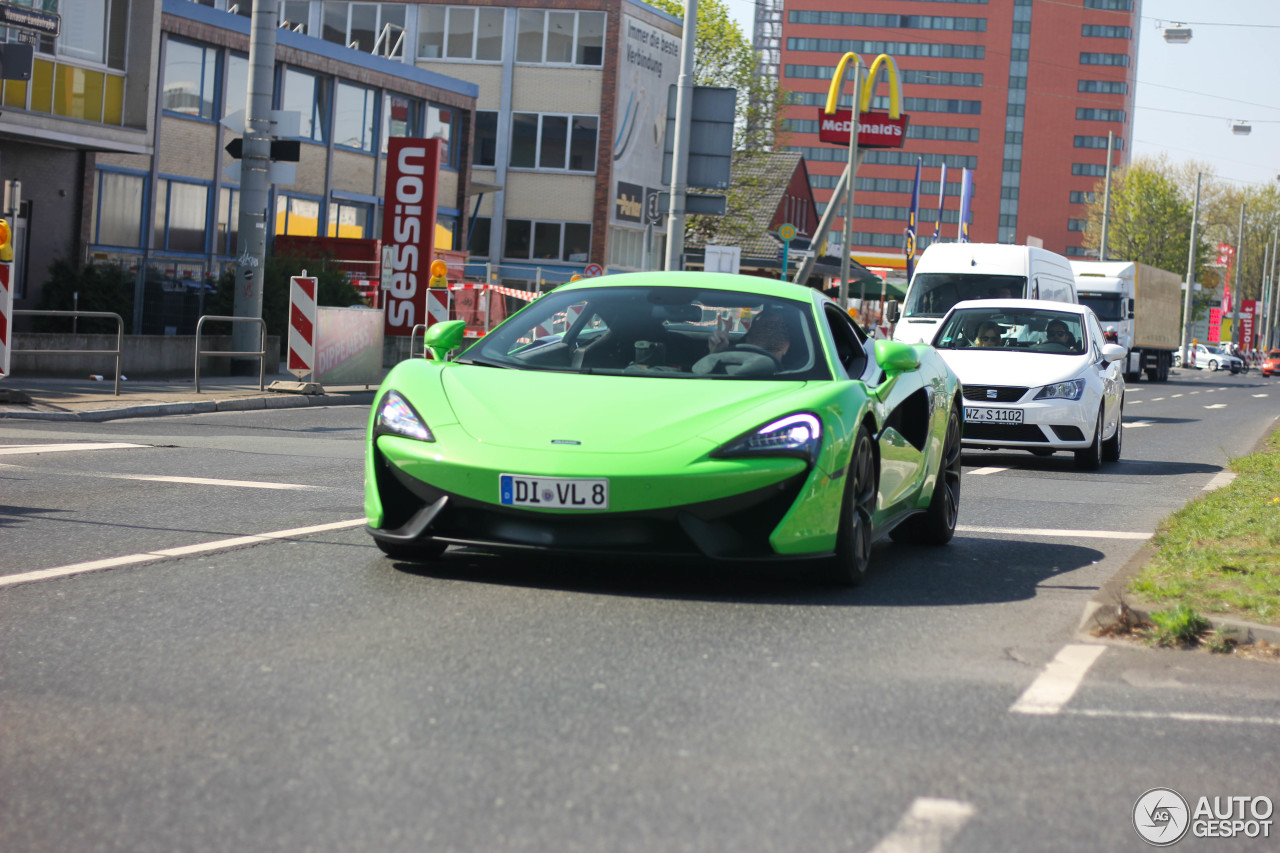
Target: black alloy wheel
column 853, row 540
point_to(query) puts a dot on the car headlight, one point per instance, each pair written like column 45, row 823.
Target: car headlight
column 794, row 435
column 1062, row 390
column 397, row 417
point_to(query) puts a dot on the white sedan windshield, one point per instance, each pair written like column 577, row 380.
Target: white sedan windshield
column 1041, row 331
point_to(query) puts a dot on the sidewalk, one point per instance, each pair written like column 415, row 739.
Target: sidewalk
column 50, row 399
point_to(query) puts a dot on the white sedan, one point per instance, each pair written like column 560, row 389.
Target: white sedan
column 1037, row 376
column 1216, row 358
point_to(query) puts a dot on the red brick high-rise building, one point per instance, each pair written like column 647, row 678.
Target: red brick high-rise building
column 1022, row 93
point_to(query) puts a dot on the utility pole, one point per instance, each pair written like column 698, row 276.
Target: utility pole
column 1191, row 277
column 1106, row 199
column 680, row 148
column 251, row 236
column 1236, row 294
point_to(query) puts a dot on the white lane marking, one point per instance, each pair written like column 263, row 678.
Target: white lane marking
column 1174, row 396
column 165, row 553
column 1219, row 480
column 1193, row 393
column 157, row 478
column 1134, row 402
column 1184, row 716
column 1261, row 395
column 1059, row 681
column 1051, row 532
column 1217, row 406
column 927, row 827
column 1156, row 399
column 1138, row 424
column 12, row 449
column 979, row 472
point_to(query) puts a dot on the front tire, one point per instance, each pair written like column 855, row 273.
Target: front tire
column 1111, row 447
column 853, row 540
column 1090, row 459
column 1213, row 365
column 937, row 524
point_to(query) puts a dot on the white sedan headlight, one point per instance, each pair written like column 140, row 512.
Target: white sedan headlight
column 1070, row 390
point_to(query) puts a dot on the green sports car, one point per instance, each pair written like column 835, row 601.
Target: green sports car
column 667, row 413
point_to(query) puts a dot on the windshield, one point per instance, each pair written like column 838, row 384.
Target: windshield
column 933, row 293
column 1051, row 332
column 1108, row 306
column 658, row 331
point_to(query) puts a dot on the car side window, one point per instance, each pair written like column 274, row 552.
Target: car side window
column 1096, row 336
column 851, row 349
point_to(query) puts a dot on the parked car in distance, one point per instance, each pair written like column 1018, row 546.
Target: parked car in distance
column 1037, row 376
column 667, row 413
column 1271, row 364
column 1216, row 358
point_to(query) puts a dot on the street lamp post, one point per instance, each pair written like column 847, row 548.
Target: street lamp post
column 847, row 235
column 1191, row 277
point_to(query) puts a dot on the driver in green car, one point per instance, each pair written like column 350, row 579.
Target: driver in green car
column 768, row 332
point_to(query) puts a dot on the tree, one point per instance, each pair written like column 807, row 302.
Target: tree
column 1150, row 217
column 723, row 56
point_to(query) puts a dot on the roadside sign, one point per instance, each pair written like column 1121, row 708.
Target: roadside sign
column 787, row 232
column 592, row 270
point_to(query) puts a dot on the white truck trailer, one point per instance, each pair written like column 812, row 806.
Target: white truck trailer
column 1141, row 305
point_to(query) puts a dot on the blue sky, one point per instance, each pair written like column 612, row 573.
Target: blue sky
column 1187, row 95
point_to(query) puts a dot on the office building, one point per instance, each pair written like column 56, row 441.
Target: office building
column 1022, row 93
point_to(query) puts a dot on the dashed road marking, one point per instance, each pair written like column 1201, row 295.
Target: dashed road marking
column 1217, row 406
column 158, row 478
column 979, row 472
column 14, row 449
column 1058, row 683
column 166, row 553
column 1138, row 424
column 1261, row 395
column 927, row 827
column 1184, row 716
column 1175, row 396
column 1054, row 533
column 1156, row 399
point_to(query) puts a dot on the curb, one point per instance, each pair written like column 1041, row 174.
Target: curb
column 201, row 407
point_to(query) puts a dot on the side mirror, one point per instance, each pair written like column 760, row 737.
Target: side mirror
column 1113, row 352
column 891, row 314
column 443, row 337
column 895, row 357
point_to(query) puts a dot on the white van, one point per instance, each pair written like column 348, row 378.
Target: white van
column 948, row 273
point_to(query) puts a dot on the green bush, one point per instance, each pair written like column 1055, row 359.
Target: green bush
column 332, row 289
column 101, row 287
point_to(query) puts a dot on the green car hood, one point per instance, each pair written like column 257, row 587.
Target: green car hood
column 606, row 414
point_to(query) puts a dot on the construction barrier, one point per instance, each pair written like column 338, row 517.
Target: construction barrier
column 6, row 312
column 301, row 359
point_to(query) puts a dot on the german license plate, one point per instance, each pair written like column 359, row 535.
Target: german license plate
column 553, row 492
column 982, row 415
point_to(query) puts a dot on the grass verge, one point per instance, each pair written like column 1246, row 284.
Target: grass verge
column 1220, row 555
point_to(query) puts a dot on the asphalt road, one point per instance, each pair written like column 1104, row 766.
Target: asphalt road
column 303, row 692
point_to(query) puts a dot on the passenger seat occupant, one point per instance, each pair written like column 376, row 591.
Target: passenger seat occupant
column 1058, row 333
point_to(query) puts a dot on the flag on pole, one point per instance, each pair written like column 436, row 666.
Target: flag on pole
column 966, row 198
column 942, row 191
column 909, row 245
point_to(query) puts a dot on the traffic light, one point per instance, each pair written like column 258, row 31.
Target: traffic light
column 6, row 241
column 439, row 269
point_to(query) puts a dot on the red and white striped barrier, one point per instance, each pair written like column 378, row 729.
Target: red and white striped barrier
column 6, row 311
column 437, row 305
column 302, row 325
column 526, row 295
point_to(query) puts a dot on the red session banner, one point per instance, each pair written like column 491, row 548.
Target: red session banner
column 409, row 228
column 875, row 130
